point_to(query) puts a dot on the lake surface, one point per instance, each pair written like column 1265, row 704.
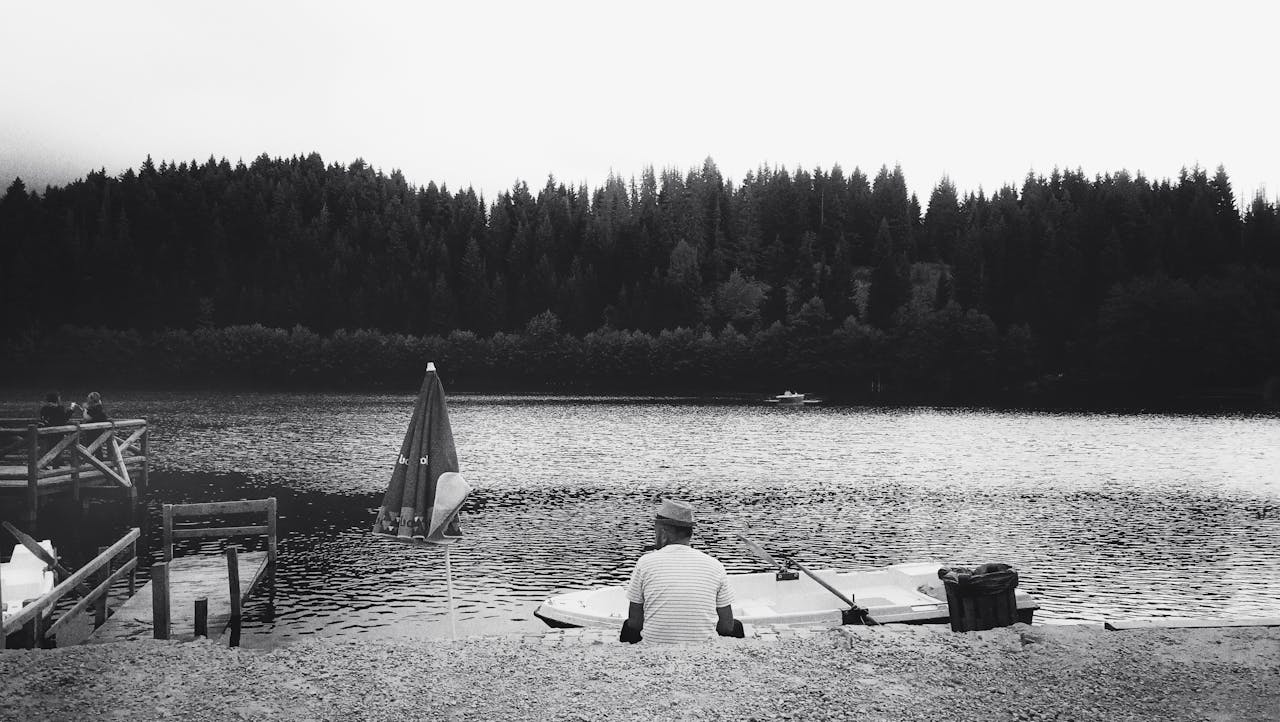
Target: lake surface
column 1105, row 516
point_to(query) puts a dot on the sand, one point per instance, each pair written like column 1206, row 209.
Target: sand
column 892, row 672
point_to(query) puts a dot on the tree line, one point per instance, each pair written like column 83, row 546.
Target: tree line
column 1114, row 284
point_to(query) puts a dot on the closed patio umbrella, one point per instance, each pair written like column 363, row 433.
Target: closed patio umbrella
column 426, row 491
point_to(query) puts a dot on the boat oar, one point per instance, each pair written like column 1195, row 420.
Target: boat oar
column 35, row 548
column 855, row 612
column 42, row 554
column 761, row 553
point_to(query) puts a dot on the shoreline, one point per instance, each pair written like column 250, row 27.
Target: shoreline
column 892, row 672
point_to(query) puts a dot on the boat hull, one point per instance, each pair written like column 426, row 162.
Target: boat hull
column 24, row 577
column 903, row 593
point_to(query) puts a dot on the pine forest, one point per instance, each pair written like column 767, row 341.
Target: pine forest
column 289, row 273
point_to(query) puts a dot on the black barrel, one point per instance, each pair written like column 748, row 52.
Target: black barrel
column 981, row 599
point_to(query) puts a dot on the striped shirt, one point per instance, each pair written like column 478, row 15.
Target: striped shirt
column 680, row 588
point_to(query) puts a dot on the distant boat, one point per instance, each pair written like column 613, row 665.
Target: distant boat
column 24, row 577
column 791, row 398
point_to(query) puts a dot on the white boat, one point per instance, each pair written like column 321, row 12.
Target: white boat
column 905, row 593
column 24, row 577
column 790, row 397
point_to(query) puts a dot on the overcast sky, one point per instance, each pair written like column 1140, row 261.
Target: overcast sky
column 481, row 94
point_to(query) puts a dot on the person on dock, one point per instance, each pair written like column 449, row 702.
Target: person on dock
column 94, row 413
column 678, row 593
column 93, row 410
column 54, row 413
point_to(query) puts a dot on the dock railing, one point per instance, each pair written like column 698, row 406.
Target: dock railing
column 50, row 459
column 37, row 616
column 210, row 513
column 206, row 521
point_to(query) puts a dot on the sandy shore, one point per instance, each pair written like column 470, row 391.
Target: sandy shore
column 867, row 673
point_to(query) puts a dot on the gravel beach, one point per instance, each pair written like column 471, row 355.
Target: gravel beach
column 868, row 673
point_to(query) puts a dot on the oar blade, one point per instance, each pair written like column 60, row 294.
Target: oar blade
column 760, row 552
column 34, row 546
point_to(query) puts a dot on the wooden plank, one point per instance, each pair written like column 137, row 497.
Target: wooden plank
column 213, row 508
column 160, row 600
column 190, row 578
column 102, row 425
column 271, row 531
column 142, row 449
column 218, row 532
column 96, row 444
column 1190, row 623
column 102, row 589
column 202, row 617
column 119, row 459
column 233, row 585
column 167, row 531
column 57, row 449
column 52, row 430
column 133, row 440
column 101, row 609
column 121, row 481
column 10, row 473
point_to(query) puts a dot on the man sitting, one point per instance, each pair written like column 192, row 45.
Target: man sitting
column 677, row 593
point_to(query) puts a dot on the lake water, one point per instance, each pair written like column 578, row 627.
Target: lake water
column 1106, row 516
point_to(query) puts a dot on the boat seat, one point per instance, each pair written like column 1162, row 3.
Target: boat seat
column 753, row 611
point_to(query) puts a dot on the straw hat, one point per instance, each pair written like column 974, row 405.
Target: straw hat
column 675, row 513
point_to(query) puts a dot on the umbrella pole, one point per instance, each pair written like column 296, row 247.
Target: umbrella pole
column 448, row 580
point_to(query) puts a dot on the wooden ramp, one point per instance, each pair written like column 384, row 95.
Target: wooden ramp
column 190, row 578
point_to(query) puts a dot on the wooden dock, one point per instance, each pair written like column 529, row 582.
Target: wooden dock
column 190, row 579
column 197, row 595
column 37, row 462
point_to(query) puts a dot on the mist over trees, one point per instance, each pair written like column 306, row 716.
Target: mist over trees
column 290, row 271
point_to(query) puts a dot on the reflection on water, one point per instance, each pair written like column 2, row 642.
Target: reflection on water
column 1106, row 516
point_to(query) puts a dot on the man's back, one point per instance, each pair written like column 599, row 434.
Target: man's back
column 54, row 415
column 680, row 588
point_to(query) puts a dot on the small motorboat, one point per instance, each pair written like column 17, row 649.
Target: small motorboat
column 791, row 398
column 25, row 577
column 904, row 593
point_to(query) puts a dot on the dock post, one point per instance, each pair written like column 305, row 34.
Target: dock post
column 36, row 630
column 271, row 534
column 133, row 572
column 145, row 450
column 75, row 468
column 202, row 617
column 160, row 600
column 33, row 476
column 100, row 608
column 166, row 539
column 31, row 630
column 233, row 582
